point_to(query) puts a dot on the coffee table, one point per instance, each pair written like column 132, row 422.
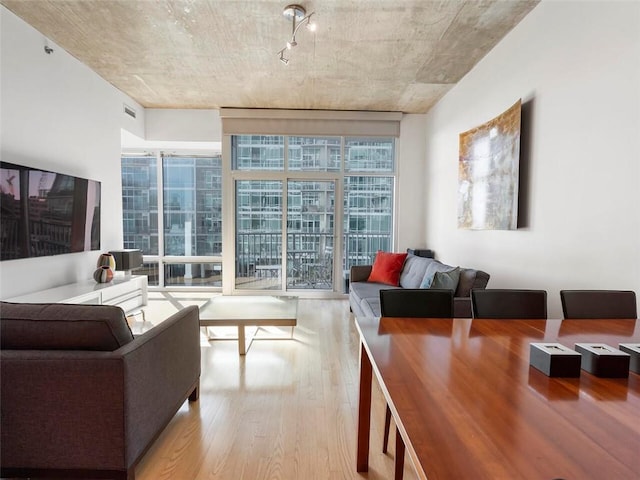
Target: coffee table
column 249, row 310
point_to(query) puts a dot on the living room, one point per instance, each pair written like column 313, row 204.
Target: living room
column 577, row 221
column 575, row 65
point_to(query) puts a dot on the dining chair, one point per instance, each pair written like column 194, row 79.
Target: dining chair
column 598, row 304
column 414, row 303
column 508, row 303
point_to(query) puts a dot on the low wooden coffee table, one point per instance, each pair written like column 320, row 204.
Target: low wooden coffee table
column 253, row 311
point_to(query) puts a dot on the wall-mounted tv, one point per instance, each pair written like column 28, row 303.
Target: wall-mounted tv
column 45, row 213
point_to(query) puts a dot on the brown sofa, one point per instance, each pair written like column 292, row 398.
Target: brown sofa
column 80, row 396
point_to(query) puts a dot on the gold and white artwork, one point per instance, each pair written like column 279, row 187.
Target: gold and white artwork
column 488, row 171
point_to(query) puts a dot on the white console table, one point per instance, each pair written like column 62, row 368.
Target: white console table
column 128, row 293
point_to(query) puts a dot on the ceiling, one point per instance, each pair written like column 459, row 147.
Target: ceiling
column 379, row 55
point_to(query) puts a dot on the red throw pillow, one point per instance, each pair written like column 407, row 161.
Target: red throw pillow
column 387, row 267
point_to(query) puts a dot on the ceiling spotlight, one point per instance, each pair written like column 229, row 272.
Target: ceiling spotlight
column 298, row 17
column 282, row 59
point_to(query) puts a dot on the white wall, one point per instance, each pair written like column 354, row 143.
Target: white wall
column 577, row 66
column 57, row 114
column 178, row 125
column 410, row 197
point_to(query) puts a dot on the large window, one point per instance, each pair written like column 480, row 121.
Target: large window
column 307, row 172
column 140, row 203
column 175, row 217
column 301, row 211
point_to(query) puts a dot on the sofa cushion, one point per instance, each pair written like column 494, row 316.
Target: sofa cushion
column 470, row 278
column 446, row 280
column 370, row 307
column 362, row 290
column 387, row 267
column 58, row 326
column 413, row 271
column 434, row 267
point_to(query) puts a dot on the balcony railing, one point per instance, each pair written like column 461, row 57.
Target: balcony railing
column 309, row 263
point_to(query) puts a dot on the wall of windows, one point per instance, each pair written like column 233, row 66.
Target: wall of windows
column 304, row 210
column 306, row 175
column 173, row 213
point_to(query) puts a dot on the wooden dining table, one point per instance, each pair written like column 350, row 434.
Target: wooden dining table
column 468, row 405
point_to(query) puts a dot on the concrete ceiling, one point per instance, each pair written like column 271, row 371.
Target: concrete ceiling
column 380, row 55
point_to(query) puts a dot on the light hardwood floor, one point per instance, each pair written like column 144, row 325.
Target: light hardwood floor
column 286, row 410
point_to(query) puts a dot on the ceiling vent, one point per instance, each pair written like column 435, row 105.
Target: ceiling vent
column 130, row 111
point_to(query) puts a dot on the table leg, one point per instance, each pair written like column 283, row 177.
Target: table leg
column 364, row 411
column 399, row 461
column 242, row 344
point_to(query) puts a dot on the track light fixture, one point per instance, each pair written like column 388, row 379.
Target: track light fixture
column 282, row 59
column 298, row 17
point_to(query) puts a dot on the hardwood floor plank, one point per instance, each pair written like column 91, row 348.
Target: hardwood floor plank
column 285, row 411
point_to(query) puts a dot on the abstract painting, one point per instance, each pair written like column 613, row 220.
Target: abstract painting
column 488, row 170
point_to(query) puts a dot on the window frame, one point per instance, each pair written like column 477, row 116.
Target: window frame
column 162, row 260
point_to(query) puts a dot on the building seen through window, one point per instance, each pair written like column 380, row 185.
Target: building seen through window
column 191, row 215
column 284, row 224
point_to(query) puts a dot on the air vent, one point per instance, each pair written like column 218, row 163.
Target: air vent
column 130, row 111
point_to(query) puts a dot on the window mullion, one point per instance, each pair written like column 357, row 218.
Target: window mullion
column 160, row 195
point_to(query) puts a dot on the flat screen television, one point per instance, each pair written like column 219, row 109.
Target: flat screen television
column 45, row 213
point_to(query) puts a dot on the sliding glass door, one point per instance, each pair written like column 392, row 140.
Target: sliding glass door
column 310, row 234
column 258, row 234
column 287, row 227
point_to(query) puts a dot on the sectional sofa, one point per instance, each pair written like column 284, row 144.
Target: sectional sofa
column 364, row 296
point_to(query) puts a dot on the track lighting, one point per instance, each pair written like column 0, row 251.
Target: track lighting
column 282, row 59
column 298, row 17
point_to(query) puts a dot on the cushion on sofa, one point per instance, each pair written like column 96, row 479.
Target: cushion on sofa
column 387, row 267
column 370, row 307
column 58, row 326
column 434, row 267
column 470, row 278
column 413, row 271
column 446, row 280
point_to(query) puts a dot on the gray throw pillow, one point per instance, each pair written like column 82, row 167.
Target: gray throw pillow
column 432, row 268
column 446, row 280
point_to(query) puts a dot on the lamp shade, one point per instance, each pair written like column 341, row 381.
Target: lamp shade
column 127, row 259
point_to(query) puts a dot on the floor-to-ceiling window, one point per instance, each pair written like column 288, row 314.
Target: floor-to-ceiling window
column 275, row 212
column 172, row 211
column 368, row 193
column 287, row 187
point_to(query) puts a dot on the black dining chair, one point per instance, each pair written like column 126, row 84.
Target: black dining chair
column 508, row 303
column 414, row 303
column 598, row 304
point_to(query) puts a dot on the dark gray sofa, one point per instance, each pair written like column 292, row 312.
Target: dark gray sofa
column 80, row 396
column 364, row 296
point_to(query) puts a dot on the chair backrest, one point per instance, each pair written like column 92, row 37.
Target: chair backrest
column 508, row 303
column 598, row 304
column 418, row 302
